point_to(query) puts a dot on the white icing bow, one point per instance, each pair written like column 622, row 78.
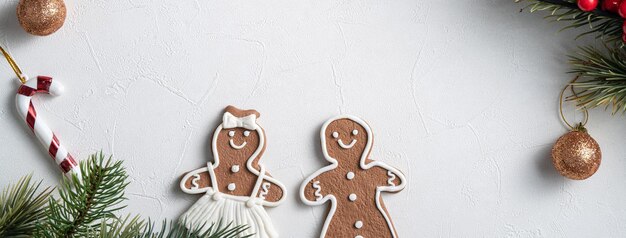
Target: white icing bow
column 230, row 121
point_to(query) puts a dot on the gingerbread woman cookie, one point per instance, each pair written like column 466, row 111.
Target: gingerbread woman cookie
column 235, row 185
column 352, row 182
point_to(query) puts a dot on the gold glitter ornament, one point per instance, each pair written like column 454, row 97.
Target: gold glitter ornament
column 576, row 155
column 41, row 17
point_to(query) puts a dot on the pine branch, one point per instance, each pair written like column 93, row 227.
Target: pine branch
column 22, row 207
column 605, row 75
column 121, row 228
column 573, row 5
column 606, row 25
column 86, row 209
column 84, row 205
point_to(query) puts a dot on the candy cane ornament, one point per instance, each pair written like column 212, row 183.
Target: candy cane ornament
column 27, row 112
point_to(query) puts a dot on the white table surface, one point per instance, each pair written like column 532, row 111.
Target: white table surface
column 462, row 97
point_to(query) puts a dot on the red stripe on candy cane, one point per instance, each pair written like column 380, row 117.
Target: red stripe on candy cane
column 25, row 107
column 68, row 163
column 43, row 86
column 65, row 166
column 43, row 83
column 54, row 146
column 72, row 164
column 26, row 91
column 31, row 116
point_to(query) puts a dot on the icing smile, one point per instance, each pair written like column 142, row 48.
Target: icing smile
column 344, row 145
column 239, row 147
column 231, row 134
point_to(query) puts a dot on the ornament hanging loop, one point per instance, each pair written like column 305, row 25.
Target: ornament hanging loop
column 581, row 125
column 14, row 66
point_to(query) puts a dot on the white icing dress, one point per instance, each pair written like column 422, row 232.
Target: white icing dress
column 215, row 207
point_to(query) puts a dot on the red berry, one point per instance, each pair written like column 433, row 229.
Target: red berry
column 624, row 37
column 624, row 27
column 622, row 9
column 611, row 5
column 587, row 5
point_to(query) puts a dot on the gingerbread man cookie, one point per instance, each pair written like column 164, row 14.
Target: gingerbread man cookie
column 352, row 182
column 235, row 185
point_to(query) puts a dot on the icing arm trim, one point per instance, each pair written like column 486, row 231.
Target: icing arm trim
column 392, row 177
column 194, row 176
column 318, row 190
column 266, row 186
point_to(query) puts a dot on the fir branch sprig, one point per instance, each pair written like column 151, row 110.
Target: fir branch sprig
column 605, row 78
column 87, row 208
column 85, row 204
column 128, row 227
column 22, row 206
column 606, row 25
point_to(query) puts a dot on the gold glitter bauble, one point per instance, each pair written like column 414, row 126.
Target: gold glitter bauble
column 576, row 155
column 41, row 17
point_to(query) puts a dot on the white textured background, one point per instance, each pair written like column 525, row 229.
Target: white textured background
column 462, row 96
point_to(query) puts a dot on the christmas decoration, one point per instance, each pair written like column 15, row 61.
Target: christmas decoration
column 352, row 182
column 27, row 112
column 587, row 5
column 576, row 155
column 603, row 71
column 622, row 10
column 235, row 185
column 611, row 5
column 41, row 17
column 87, row 208
column 22, row 207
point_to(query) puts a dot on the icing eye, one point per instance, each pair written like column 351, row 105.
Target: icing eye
column 335, row 135
column 231, row 133
column 355, row 132
column 246, row 133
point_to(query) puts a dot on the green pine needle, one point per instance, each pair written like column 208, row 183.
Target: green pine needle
column 85, row 204
column 120, row 228
column 605, row 74
column 87, row 208
column 606, row 25
column 22, row 207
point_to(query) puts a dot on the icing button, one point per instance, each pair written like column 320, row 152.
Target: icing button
column 358, row 224
column 234, row 169
column 232, row 187
column 217, row 196
column 358, row 237
column 352, row 197
column 250, row 203
column 350, row 175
